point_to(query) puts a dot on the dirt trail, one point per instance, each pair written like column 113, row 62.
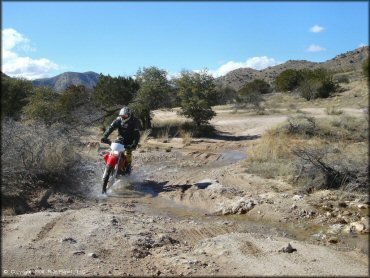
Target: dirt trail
column 191, row 211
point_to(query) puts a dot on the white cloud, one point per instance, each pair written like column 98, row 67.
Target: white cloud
column 362, row 45
column 317, row 29
column 315, row 48
column 19, row 66
column 257, row 63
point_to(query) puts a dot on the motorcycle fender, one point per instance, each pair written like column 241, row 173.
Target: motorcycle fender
column 111, row 159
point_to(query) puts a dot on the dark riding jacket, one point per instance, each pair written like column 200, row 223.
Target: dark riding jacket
column 127, row 131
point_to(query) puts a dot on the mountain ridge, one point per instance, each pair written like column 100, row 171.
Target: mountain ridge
column 62, row 81
column 348, row 61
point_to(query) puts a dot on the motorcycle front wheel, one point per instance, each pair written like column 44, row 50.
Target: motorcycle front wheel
column 107, row 173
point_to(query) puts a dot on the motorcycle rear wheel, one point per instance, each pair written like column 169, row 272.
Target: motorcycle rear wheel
column 108, row 171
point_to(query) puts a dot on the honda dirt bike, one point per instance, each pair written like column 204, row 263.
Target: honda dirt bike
column 116, row 164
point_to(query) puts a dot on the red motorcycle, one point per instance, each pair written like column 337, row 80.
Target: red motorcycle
column 116, row 164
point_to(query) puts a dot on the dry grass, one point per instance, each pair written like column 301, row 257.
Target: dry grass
column 333, row 110
column 9, row 211
column 144, row 136
column 314, row 154
column 187, row 137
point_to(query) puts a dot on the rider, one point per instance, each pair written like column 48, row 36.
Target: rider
column 128, row 132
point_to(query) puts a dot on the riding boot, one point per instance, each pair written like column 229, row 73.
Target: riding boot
column 129, row 161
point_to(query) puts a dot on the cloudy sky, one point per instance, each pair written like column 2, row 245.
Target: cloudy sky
column 43, row 39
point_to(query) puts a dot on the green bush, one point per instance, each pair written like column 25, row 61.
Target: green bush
column 14, row 94
column 44, row 105
column 316, row 83
column 256, row 86
column 288, row 80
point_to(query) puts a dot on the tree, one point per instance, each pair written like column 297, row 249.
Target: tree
column 196, row 91
column 14, row 94
column 154, row 93
column 43, row 104
column 288, row 80
column 111, row 93
column 73, row 97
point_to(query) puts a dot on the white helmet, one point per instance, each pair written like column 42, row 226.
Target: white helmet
column 125, row 114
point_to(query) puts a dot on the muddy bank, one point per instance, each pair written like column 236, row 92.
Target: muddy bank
column 190, row 210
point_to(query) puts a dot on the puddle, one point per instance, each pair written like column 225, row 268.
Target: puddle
column 233, row 156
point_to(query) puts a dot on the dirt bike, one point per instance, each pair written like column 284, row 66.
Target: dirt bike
column 116, row 163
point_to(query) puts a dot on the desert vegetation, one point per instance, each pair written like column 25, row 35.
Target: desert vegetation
column 314, row 153
column 310, row 84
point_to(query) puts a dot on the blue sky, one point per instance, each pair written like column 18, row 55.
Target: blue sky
column 41, row 39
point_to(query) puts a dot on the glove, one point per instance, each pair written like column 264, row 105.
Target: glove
column 105, row 140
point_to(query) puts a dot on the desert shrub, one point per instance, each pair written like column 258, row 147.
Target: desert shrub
column 343, row 127
column 250, row 99
column 342, row 79
column 301, row 125
column 44, row 105
column 314, row 154
column 256, row 85
column 14, row 94
column 329, row 167
column 34, row 153
column 316, row 83
column 288, row 80
column 224, row 95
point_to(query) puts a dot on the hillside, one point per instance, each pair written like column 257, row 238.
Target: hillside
column 349, row 61
column 62, row 81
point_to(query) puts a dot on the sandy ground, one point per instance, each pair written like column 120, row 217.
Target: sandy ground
column 193, row 210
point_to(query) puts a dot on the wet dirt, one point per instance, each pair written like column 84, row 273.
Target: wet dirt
column 165, row 220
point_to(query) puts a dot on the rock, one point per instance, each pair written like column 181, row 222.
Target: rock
column 362, row 206
column 294, row 207
column 69, row 239
column 242, row 206
column 335, row 229
column 358, row 226
column 140, row 253
column 79, row 252
column 114, row 221
column 164, row 240
column 93, row 255
column 319, row 236
column 333, row 240
column 288, row 249
column 347, row 213
column 297, row 197
column 342, row 205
